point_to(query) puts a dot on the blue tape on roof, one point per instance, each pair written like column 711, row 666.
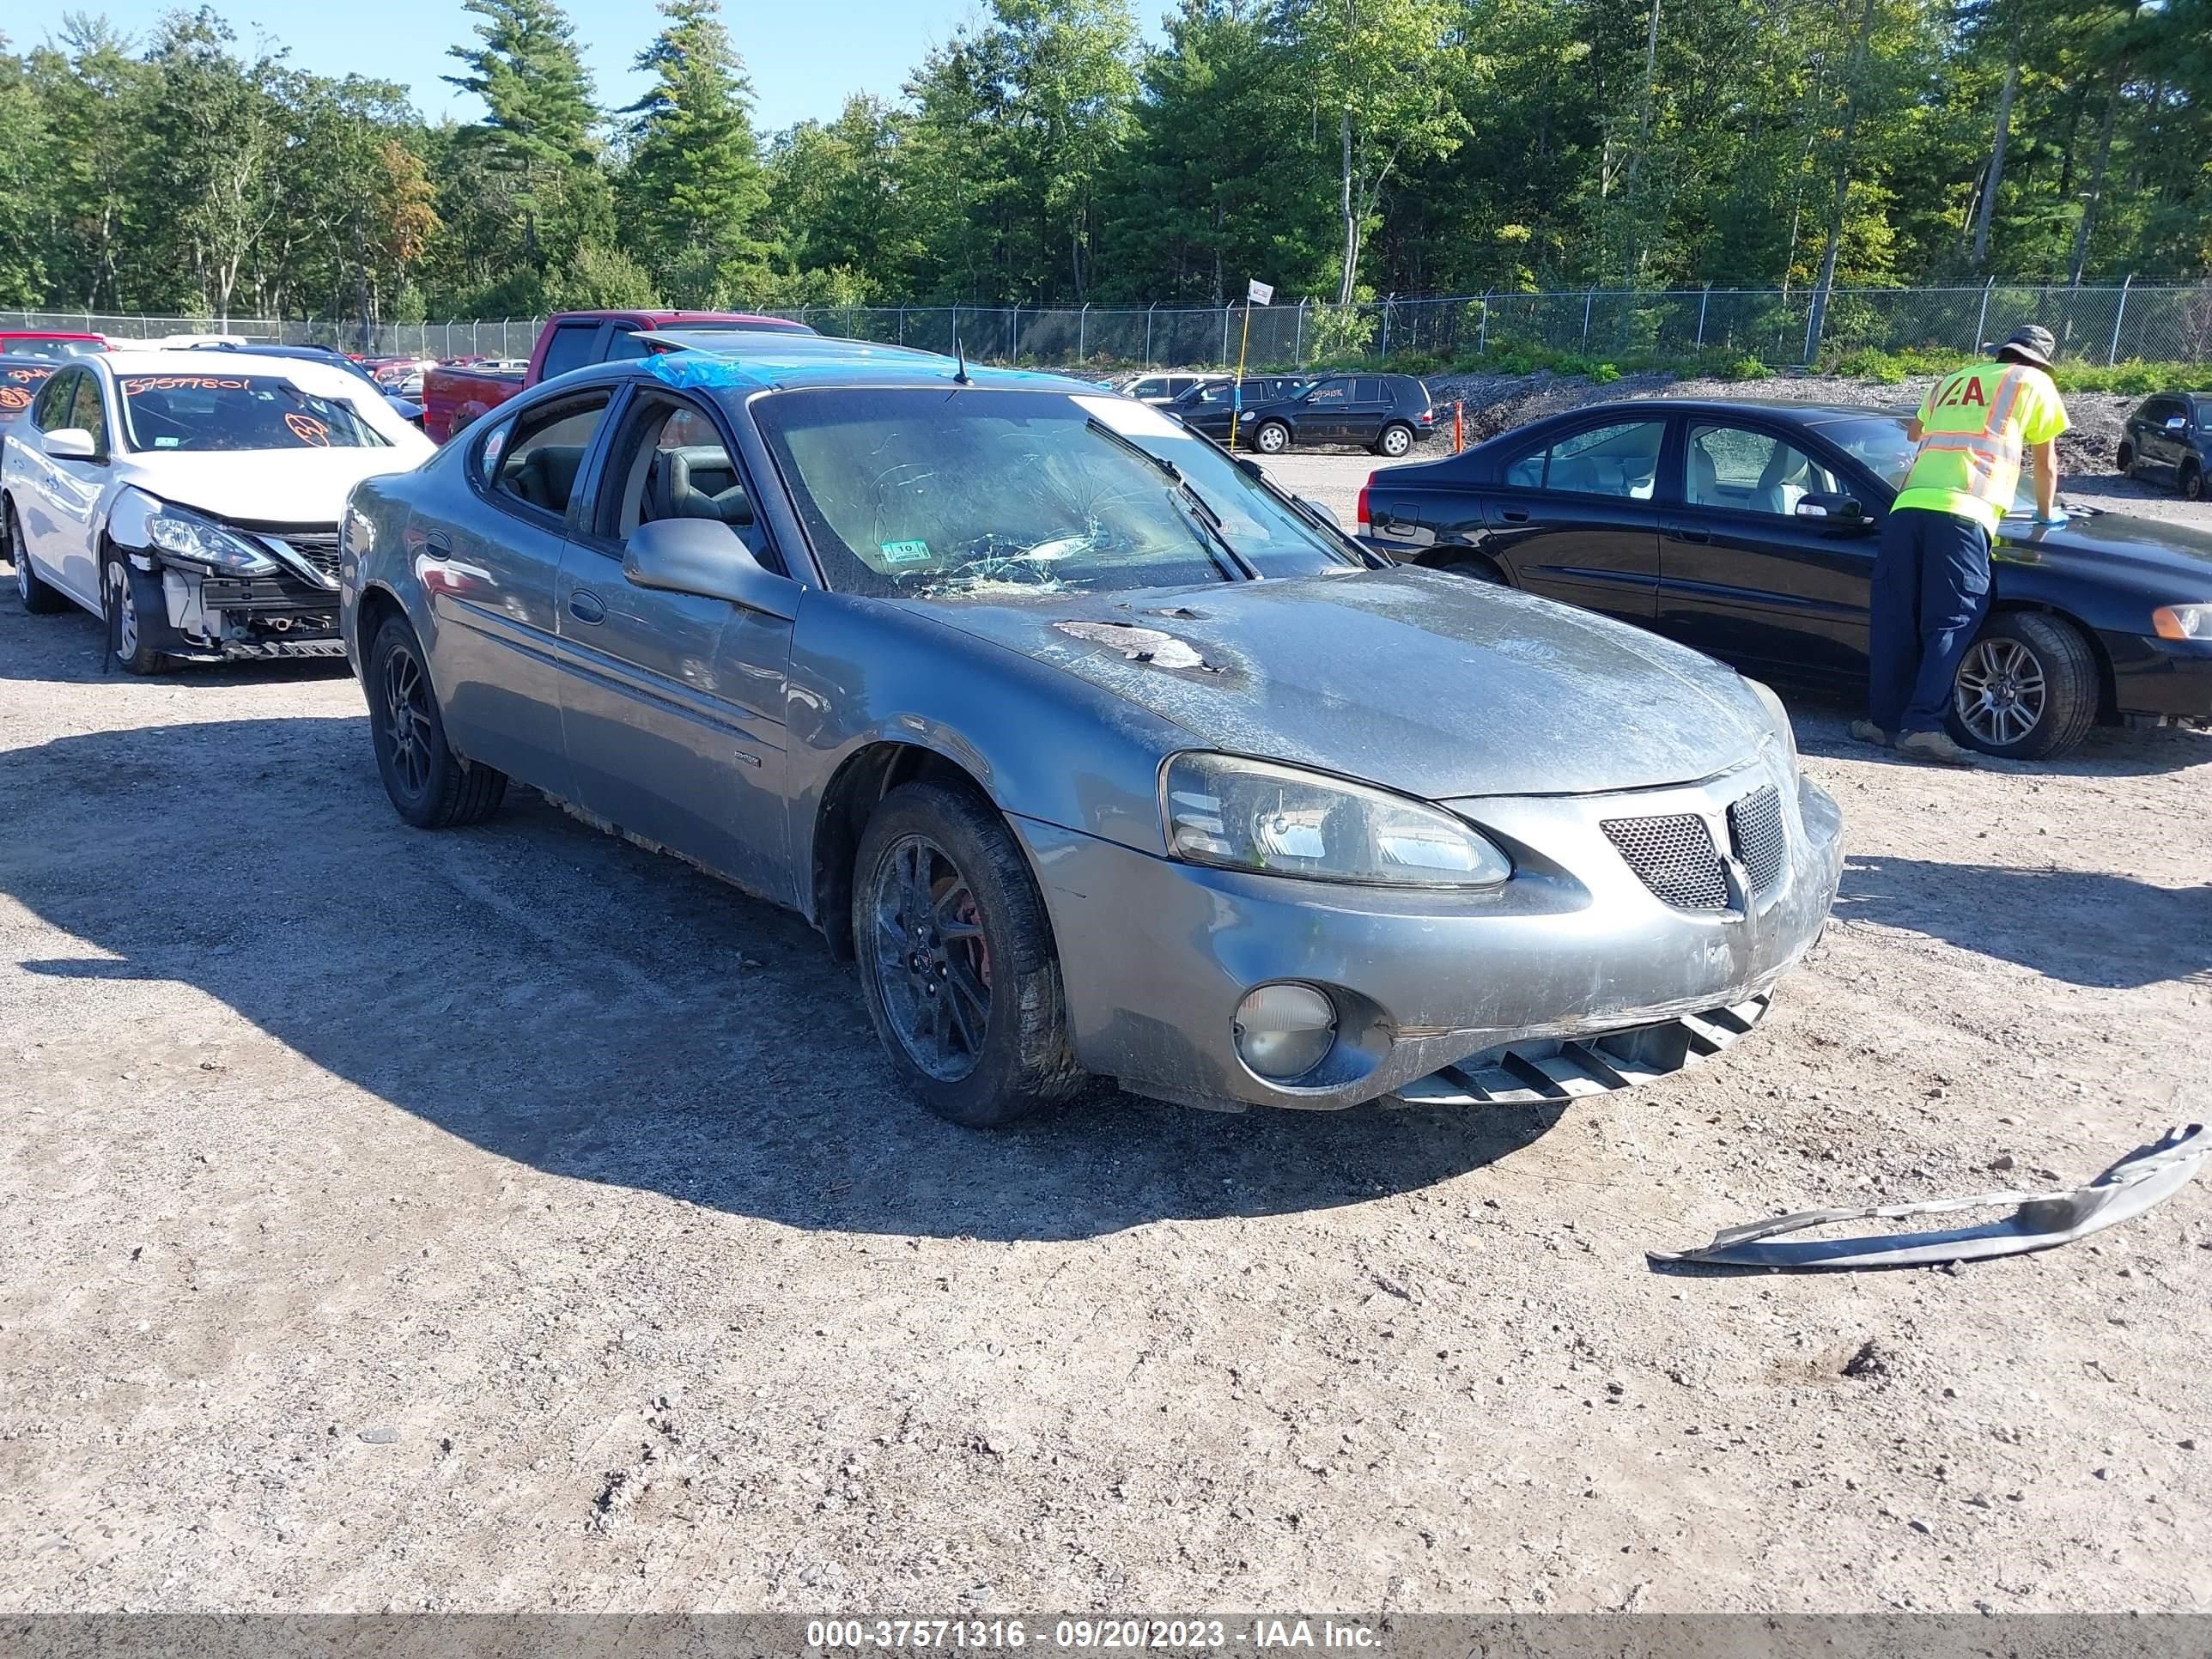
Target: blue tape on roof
column 699, row 369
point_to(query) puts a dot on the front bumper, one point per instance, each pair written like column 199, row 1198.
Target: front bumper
column 1155, row 955
column 218, row 618
column 2170, row 678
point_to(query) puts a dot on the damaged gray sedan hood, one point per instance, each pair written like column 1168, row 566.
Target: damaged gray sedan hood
column 1434, row 685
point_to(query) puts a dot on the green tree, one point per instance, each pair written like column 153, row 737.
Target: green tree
column 695, row 193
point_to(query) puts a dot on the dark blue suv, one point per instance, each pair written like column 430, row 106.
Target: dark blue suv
column 2169, row 438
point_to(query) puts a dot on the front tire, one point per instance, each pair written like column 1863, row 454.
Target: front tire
column 2028, row 691
column 1396, row 441
column 956, row 960
column 430, row 786
column 2192, row 482
column 128, row 630
column 2125, row 460
column 38, row 598
column 1272, row 438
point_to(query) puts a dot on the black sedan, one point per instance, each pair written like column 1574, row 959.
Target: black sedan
column 1748, row 529
column 2169, row 439
column 1386, row 413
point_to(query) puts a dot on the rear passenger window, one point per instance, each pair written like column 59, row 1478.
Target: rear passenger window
column 1369, row 389
column 569, row 348
column 544, row 453
column 1605, row 461
column 625, row 343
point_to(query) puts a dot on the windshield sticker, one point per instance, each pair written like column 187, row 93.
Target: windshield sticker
column 28, row 376
column 1129, row 417
column 14, row 397
column 140, row 383
column 905, row 552
column 308, row 430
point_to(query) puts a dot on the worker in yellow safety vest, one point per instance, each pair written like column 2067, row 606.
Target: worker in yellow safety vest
column 1931, row 577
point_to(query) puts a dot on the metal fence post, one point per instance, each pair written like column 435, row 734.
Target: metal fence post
column 1298, row 350
column 1703, row 300
column 1982, row 322
column 1083, row 333
column 1589, row 300
column 1224, row 336
column 2120, row 310
column 1482, row 328
column 1014, row 335
column 1390, row 304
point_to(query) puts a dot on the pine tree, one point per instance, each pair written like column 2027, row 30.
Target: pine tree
column 526, row 69
column 695, row 193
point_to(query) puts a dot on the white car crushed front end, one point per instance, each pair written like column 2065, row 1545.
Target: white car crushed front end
column 201, row 522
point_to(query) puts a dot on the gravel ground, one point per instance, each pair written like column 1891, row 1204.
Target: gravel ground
column 510, row 1218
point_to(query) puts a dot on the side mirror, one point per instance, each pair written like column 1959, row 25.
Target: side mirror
column 1319, row 510
column 71, row 443
column 2177, row 424
column 1840, row 509
column 706, row 557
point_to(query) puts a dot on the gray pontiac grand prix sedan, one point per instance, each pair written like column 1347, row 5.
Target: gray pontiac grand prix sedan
column 1100, row 756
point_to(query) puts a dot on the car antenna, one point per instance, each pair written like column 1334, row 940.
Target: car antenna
column 960, row 374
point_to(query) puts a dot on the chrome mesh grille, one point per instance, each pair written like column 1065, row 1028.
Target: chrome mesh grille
column 1674, row 857
column 1761, row 844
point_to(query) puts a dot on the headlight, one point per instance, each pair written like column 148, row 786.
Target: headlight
column 185, row 536
column 2183, row 621
column 1280, row 821
column 1788, row 733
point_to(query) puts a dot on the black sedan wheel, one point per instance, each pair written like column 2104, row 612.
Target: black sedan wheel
column 957, row 959
column 2027, row 690
column 1272, row 438
column 430, row 786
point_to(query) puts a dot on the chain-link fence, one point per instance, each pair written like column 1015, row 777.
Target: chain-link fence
column 2110, row 324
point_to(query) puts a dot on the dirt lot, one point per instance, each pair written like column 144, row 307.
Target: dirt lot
column 512, row 1219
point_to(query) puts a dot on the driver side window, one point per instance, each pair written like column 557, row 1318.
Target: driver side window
column 87, row 411
column 1732, row 467
column 670, row 462
column 51, row 412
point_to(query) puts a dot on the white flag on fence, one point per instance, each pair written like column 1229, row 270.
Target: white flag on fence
column 1260, row 294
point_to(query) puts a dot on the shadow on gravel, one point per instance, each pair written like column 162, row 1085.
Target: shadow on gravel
column 568, row 1002
column 2107, row 931
column 70, row 648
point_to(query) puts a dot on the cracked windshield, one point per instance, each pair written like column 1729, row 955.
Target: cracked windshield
column 979, row 492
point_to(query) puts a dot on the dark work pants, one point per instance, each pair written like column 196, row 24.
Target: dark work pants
column 1931, row 590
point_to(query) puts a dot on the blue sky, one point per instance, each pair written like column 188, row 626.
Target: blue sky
column 804, row 58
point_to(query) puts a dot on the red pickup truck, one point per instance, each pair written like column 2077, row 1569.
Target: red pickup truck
column 454, row 396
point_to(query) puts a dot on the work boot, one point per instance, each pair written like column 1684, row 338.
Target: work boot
column 1935, row 746
column 1867, row 732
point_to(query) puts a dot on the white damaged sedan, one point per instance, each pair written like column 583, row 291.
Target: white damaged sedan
column 194, row 505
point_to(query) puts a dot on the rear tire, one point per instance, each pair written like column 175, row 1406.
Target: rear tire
column 1476, row 567
column 128, row 630
column 1396, row 441
column 1272, row 438
column 430, row 785
column 957, row 959
column 2125, row 460
column 38, row 598
column 2192, row 482
column 2028, row 691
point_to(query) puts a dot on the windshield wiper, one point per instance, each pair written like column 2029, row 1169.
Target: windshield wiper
column 1196, row 506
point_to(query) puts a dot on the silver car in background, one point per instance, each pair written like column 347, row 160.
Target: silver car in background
column 1101, row 756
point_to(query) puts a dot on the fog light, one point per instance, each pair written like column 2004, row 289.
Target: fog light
column 1284, row 1031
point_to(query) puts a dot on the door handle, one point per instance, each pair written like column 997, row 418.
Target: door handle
column 1687, row 532
column 438, row 542
column 1513, row 515
column 587, row 607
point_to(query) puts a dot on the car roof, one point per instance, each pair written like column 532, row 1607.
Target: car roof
column 760, row 362
column 45, row 334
